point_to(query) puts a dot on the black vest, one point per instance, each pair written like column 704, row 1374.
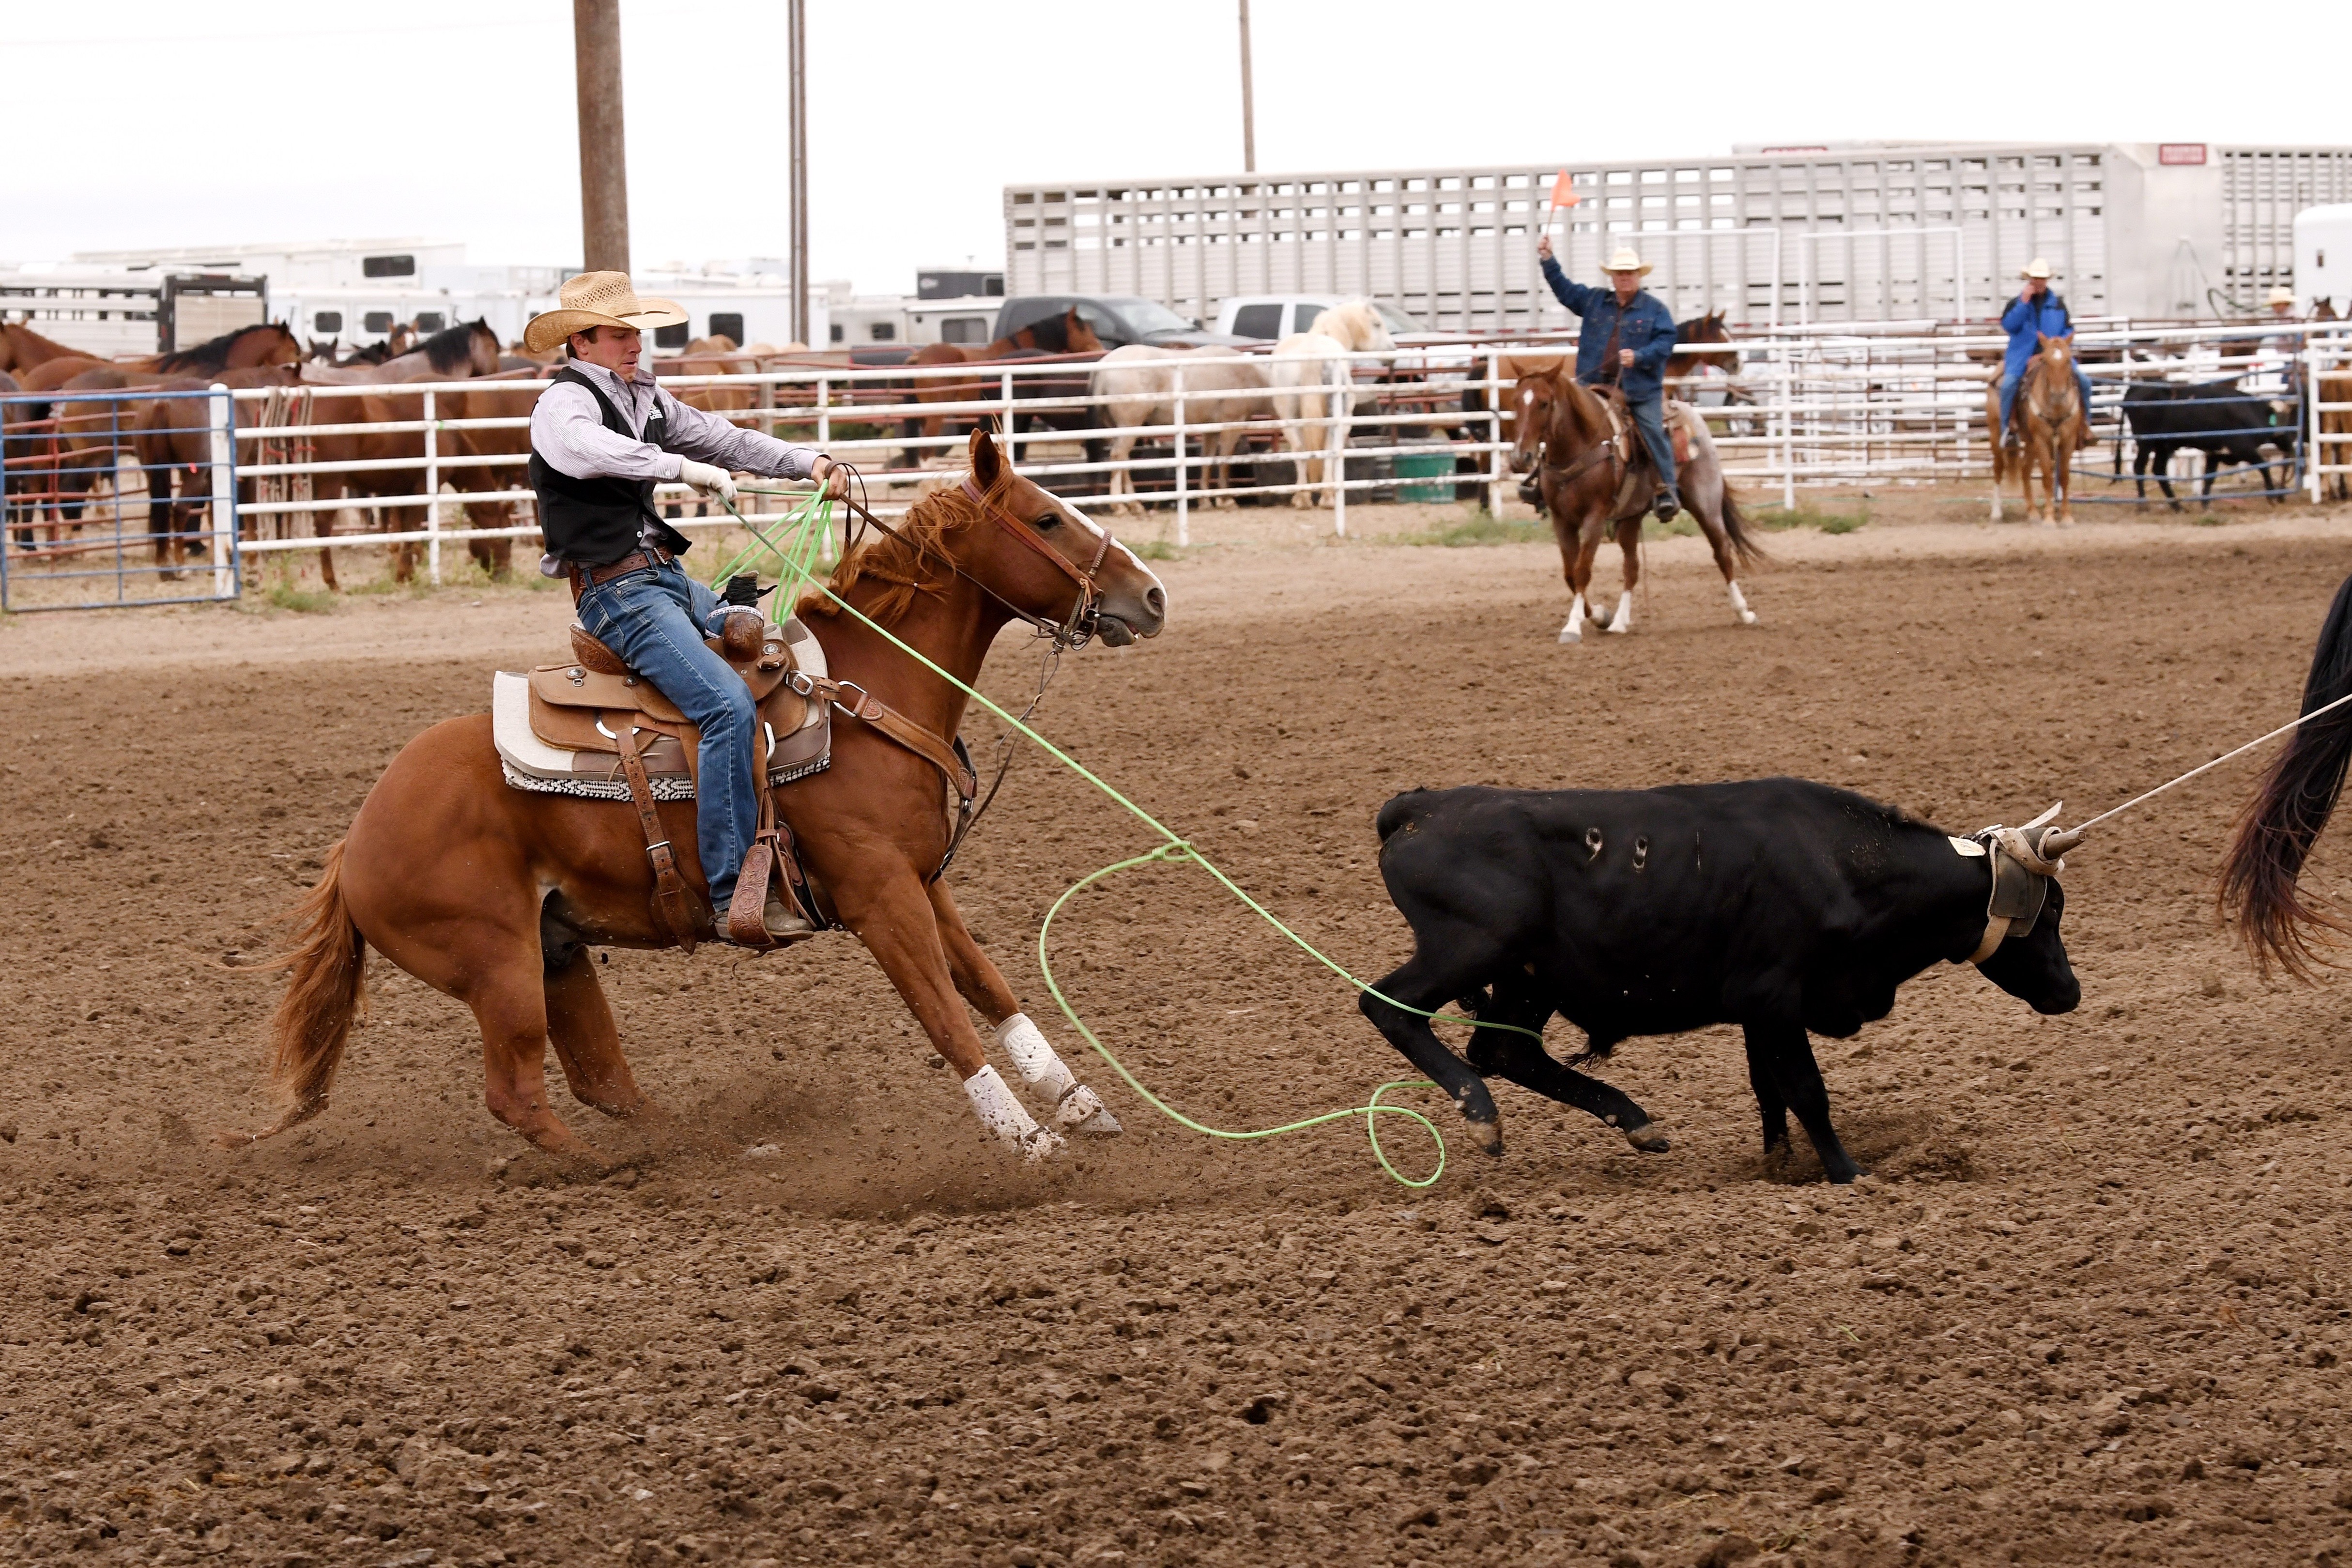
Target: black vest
column 597, row 521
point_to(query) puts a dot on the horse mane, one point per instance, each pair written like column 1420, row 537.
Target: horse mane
column 211, row 354
column 911, row 561
column 452, row 348
column 1052, row 332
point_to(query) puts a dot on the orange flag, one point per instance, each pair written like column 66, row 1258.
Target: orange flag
column 1563, row 192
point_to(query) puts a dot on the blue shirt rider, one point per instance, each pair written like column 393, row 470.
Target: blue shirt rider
column 1627, row 338
column 2034, row 314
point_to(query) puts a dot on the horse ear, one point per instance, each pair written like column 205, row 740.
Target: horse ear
column 987, row 462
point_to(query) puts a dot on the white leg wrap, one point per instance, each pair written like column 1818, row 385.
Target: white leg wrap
column 1739, row 603
column 1622, row 621
column 1077, row 1107
column 1574, row 630
column 1002, row 1114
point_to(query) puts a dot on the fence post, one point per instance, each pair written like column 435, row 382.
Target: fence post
column 1335, row 445
column 1788, row 429
column 1495, row 473
column 218, row 416
column 1004, row 426
column 432, row 492
column 2314, row 456
column 823, row 412
column 1183, row 495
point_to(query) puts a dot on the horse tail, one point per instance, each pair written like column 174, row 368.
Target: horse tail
column 1740, row 529
column 323, row 993
column 2275, row 834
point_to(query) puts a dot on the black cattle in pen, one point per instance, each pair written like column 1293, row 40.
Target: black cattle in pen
column 1780, row 905
column 2215, row 417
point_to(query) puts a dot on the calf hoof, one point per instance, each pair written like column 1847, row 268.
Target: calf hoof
column 1488, row 1136
column 1649, row 1138
column 1847, row 1176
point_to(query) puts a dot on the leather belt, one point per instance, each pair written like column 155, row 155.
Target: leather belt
column 583, row 577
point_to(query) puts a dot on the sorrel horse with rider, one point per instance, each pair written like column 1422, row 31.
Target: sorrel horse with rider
column 2044, row 429
column 1594, row 480
column 495, row 895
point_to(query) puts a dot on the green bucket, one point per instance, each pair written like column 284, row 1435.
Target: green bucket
column 1425, row 465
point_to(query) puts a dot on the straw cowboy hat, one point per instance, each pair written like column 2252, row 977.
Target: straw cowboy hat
column 2037, row 268
column 1626, row 261
column 597, row 299
column 2280, row 294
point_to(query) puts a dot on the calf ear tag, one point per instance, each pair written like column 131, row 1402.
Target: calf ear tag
column 1968, row 847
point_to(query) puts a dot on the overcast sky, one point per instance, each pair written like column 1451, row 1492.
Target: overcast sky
column 148, row 122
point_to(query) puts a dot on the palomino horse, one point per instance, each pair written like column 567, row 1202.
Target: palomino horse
column 1068, row 333
column 1314, row 387
column 495, row 895
column 1139, row 384
column 1567, row 436
column 2045, row 426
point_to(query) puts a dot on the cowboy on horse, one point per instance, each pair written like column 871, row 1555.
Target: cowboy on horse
column 1627, row 338
column 2037, row 312
column 601, row 435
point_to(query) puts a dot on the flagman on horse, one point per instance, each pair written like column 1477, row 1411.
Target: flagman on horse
column 601, row 436
column 2037, row 312
column 1627, row 338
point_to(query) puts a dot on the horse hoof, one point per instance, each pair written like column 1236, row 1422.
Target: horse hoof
column 1747, row 617
column 1083, row 1111
column 1040, row 1145
column 225, row 1140
column 1649, row 1138
column 1618, row 628
column 1571, row 635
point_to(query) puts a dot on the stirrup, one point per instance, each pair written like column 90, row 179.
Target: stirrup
column 1667, row 507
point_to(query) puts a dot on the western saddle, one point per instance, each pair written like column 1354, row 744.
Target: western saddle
column 596, row 704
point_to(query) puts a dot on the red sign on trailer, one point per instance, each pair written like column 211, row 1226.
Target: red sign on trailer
column 2180, row 153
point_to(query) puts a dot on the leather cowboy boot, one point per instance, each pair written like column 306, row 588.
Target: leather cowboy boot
column 1667, row 506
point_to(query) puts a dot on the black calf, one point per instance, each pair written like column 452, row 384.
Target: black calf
column 1777, row 904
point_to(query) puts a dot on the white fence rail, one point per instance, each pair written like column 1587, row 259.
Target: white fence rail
column 1790, row 410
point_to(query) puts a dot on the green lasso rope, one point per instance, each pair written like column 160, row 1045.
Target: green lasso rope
column 812, row 524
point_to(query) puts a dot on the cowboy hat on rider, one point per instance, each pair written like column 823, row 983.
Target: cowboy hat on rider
column 1627, row 337
column 603, row 436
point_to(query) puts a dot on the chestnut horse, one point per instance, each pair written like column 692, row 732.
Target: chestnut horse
column 256, row 347
column 495, row 895
column 2044, row 428
column 1564, row 436
column 1068, row 333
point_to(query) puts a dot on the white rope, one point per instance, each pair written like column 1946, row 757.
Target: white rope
column 2241, row 751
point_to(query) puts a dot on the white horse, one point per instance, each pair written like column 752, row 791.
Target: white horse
column 1314, row 389
column 1136, row 386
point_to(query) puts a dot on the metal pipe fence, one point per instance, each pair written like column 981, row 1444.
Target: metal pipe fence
column 1426, row 421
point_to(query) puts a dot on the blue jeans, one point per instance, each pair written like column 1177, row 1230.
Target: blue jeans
column 656, row 621
column 2009, row 395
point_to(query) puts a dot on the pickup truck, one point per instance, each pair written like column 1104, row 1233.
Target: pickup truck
column 1117, row 320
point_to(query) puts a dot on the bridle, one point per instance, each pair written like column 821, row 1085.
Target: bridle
column 1565, row 473
column 1085, row 611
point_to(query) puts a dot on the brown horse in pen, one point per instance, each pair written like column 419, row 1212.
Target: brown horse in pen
column 1068, row 333
column 2046, row 426
column 1595, row 479
column 495, row 895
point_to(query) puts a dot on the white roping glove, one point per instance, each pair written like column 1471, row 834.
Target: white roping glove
column 710, row 480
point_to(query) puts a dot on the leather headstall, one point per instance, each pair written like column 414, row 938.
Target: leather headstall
column 1080, row 627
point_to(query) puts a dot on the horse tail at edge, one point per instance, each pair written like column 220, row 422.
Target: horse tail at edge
column 323, row 997
column 1738, row 527
column 2258, row 889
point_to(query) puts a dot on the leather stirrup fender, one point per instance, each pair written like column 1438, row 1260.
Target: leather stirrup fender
column 673, row 909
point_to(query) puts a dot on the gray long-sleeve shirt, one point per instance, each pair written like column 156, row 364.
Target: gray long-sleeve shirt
column 568, row 429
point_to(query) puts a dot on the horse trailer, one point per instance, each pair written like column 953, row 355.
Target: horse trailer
column 1772, row 236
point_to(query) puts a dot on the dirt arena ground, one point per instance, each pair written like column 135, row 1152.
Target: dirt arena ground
column 2093, row 1303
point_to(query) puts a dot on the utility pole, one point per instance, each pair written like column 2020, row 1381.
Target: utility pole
column 1249, row 104
column 604, row 144
column 799, row 24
